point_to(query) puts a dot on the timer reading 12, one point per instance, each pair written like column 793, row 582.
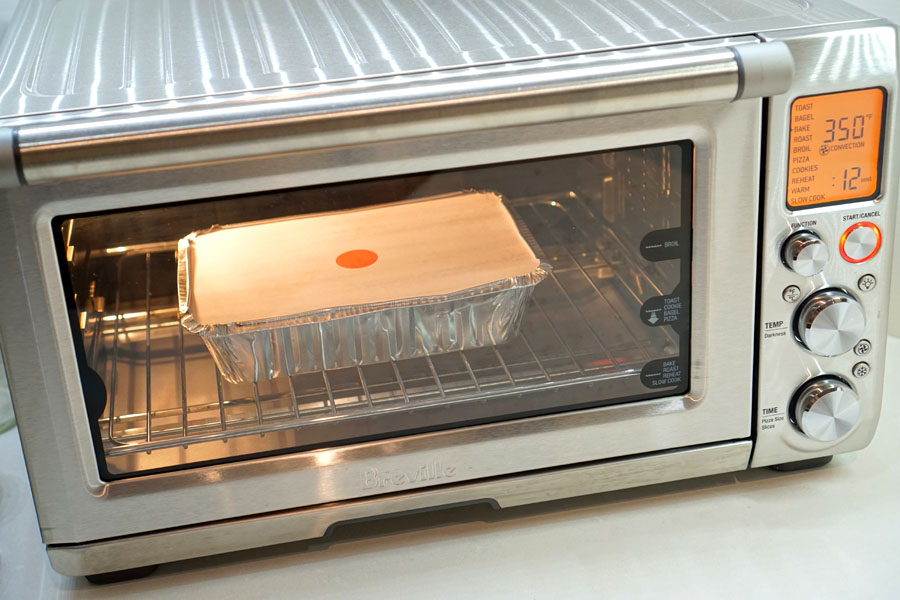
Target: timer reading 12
column 834, row 147
column 851, row 176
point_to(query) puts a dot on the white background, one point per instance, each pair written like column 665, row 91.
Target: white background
column 830, row 533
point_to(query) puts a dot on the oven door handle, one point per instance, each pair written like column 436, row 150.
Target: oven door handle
column 367, row 111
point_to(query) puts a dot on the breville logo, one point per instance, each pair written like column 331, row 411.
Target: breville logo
column 373, row 478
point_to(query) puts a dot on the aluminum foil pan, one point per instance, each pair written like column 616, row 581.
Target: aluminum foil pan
column 361, row 334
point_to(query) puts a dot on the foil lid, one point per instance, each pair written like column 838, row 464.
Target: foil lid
column 268, row 339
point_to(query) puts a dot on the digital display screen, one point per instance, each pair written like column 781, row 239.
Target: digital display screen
column 835, row 148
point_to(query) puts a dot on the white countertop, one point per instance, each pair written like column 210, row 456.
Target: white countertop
column 832, row 532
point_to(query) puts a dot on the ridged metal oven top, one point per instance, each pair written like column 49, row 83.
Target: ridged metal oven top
column 77, row 54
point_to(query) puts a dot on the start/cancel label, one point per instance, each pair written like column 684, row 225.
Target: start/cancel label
column 871, row 214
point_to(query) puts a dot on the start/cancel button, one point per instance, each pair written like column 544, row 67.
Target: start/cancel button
column 860, row 242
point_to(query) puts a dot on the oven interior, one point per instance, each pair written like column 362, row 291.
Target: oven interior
column 589, row 337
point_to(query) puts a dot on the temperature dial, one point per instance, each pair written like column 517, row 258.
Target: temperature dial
column 830, row 323
column 805, row 253
column 826, row 410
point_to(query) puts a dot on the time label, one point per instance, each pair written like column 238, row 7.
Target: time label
column 835, row 147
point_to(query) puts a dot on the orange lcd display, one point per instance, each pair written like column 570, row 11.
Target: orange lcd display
column 835, row 147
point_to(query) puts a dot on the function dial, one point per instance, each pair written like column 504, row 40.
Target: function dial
column 830, row 322
column 805, row 253
column 827, row 409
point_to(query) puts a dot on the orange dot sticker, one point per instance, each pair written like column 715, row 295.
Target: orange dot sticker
column 356, row 259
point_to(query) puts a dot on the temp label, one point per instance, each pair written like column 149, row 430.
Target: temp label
column 835, row 147
column 774, row 329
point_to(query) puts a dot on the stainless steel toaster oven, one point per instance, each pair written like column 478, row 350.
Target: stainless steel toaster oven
column 269, row 267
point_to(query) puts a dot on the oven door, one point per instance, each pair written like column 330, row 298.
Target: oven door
column 637, row 340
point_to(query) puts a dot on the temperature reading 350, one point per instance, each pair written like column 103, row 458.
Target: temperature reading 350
column 835, row 147
column 846, row 129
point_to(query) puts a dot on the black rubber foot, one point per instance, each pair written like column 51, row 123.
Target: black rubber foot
column 123, row 575
column 799, row 465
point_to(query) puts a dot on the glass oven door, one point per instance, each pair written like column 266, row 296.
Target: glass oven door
column 228, row 347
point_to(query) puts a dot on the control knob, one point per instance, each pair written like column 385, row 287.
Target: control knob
column 860, row 242
column 826, row 410
column 830, row 323
column 805, row 253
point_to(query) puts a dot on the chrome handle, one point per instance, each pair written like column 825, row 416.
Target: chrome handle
column 402, row 107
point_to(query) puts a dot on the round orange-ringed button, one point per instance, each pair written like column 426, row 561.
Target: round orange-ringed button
column 853, row 256
column 356, row 259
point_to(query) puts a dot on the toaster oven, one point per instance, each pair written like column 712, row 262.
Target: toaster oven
column 272, row 267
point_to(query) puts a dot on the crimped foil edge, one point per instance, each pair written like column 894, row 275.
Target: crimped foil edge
column 184, row 282
column 184, row 285
column 334, row 313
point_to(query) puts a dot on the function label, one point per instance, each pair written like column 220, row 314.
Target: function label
column 835, row 148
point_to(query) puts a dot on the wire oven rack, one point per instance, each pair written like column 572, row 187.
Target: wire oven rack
column 581, row 326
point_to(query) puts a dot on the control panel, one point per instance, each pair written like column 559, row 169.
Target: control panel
column 825, row 263
column 822, row 331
